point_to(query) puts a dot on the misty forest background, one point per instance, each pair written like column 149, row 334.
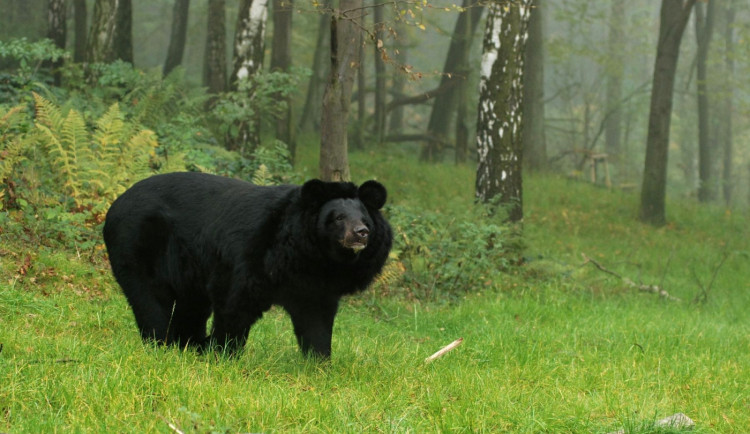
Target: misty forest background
column 590, row 71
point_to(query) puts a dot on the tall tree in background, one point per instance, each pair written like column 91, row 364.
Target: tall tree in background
column 704, row 24
column 102, row 34
column 345, row 52
column 79, row 30
column 310, row 118
column 379, row 112
column 534, row 141
column 248, row 60
column 177, row 35
column 281, row 60
column 615, row 72
column 500, row 114
column 728, row 110
column 454, row 72
column 396, row 120
column 123, row 40
column 110, row 37
column 673, row 20
column 56, row 32
column 215, row 57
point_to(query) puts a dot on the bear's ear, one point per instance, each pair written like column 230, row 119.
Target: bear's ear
column 372, row 194
column 313, row 191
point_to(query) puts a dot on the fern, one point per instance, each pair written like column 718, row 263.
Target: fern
column 392, row 272
column 94, row 167
column 13, row 144
column 262, row 176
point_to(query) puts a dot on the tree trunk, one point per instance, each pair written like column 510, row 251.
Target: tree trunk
column 673, row 20
column 248, row 40
column 215, row 57
column 310, row 119
column 102, row 36
column 396, row 120
column 177, row 36
column 56, row 32
column 703, row 32
column 345, row 47
column 281, row 60
column 444, row 105
column 379, row 112
column 533, row 137
column 79, row 29
column 500, row 114
column 123, row 39
column 358, row 139
column 613, row 127
column 248, row 60
column 726, row 136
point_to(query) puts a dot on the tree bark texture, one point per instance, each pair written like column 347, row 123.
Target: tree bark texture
column 379, row 112
column 534, row 142
column 615, row 70
column 215, row 57
column 102, row 35
column 248, row 60
column 704, row 23
column 56, row 32
column 177, row 35
column 455, row 70
column 281, row 60
column 123, row 39
column 673, row 20
column 500, row 111
column 248, row 40
column 726, row 135
column 80, row 28
column 345, row 52
column 310, row 118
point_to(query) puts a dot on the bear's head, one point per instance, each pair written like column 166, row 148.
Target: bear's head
column 345, row 217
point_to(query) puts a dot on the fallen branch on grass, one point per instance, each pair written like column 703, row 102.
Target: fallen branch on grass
column 654, row 289
column 444, row 350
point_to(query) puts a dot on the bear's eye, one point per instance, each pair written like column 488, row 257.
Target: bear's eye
column 340, row 217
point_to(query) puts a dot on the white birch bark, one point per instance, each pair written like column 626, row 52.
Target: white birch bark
column 499, row 120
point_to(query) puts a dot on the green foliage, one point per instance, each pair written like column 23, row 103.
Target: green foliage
column 29, row 55
column 93, row 167
column 261, row 96
column 13, row 144
column 445, row 256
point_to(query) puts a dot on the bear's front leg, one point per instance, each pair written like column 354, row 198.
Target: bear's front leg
column 313, row 325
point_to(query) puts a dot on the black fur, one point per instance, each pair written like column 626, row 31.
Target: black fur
column 184, row 246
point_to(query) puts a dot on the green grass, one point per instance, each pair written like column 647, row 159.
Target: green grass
column 552, row 346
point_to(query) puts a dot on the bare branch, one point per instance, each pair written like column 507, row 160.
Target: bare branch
column 654, row 289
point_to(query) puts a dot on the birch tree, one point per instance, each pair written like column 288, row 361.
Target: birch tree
column 248, row 60
column 499, row 120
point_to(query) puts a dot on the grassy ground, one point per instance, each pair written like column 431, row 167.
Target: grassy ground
column 553, row 346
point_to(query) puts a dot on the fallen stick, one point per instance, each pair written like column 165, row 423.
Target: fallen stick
column 654, row 289
column 444, row 350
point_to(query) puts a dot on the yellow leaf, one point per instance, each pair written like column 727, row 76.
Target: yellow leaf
column 421, row 26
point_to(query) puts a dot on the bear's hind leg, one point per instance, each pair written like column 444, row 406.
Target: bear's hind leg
column 188, row 323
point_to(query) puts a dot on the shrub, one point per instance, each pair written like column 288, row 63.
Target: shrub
column 443, row 256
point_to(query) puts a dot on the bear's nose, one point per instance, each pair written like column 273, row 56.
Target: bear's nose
column 362, row 231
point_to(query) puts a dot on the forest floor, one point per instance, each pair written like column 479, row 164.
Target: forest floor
column 566, row 342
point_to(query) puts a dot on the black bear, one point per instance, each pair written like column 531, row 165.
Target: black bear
column 184, row 246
